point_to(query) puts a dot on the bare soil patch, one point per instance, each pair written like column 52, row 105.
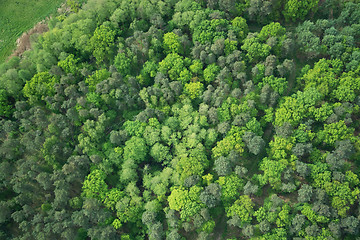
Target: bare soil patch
column 23, row 43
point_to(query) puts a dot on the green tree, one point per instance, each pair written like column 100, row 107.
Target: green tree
column 129, row 209
column 95, row 186
column 231, row 186
column 102, row 43
column 160, row 153
column 295, row 9
column 171, row 43
column 40, row 86
column 210, row 72
column 69, row 64
column 192, row 163
column 208, row 30
column 172, row 65
column 136, row 149
column 255, row 50
column 185, row 201
column 6, row 107
column 97, row 77
column 240, row 27
column 243, row 208
column 232, row 141
column 194, row 89
column 334, row 132
column 123, row 62
column 278, row 84
column 348, row 87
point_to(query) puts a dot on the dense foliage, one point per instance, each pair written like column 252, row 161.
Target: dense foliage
column 191, row 119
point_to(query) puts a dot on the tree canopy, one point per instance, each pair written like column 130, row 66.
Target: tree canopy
column 184, row 119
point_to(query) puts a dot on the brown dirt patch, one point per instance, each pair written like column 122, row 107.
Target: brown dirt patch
column 23, row 43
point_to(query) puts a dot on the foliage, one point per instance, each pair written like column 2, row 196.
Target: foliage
column 97, row 77
column 233, row 141
column 94, row 186
column 230, row 187
column 240, row 27
column 243, row 208
column 171, row 43
column 185, row 201
column 168, row 119
column 40, row 86
column 255, row 49
column 102, row 42
column 295, row 9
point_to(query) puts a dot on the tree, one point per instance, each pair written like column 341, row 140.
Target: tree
column 250, row 188
column 112, row 197
column 94, row 186
column 6, row 107
column 231, row 186
column 232, row 142
column 209, row 30
column 255, row 49
column 12, row 81
column 156, row 231
column 222, row 166
column 136, row 149
column 243, row 208
column 97, row 77
column 5, row 212
column 254, row 143
column 335, row 228
column 185, row 201
column 309, row 42
column 194, row 89
column 123, row 62
column 323, row 75
column 40, row 86
column 211, row 195
column 151, row 134
column 273, row 29
column 305, row 193
column 262, row 11
column 350, row 225
column 172, row 65
column 278, row 84
column 193, row 163
column 210, row 72
column 173, row 235
column 69, row 64
column 293, row 109
column 348, row 87
column 248, row 231
column 151, row 119
column 102, row 42
column 295, row 9
column 272, row 171
column 172, row 43
column 160, row 153
column 129, row 209
column 334, row 132
column 302, row 150
column 240, row 27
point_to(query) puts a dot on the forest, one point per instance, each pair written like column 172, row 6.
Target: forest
column 184, row 119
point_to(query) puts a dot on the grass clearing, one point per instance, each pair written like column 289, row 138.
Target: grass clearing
column 18, row 16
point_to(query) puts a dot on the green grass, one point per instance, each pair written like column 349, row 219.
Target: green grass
column 18, row 16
